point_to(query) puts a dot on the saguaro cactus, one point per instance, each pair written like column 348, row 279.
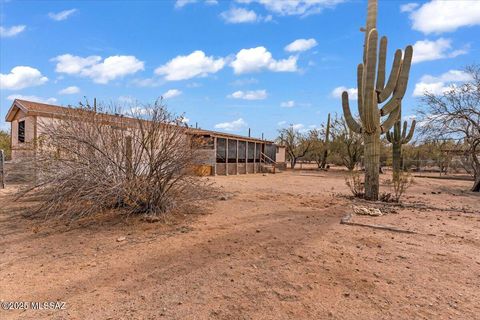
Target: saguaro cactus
column 373, row 91
column 326, row 144
column 398, row 137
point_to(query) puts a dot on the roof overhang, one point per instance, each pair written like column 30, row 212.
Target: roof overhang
column 16, row 105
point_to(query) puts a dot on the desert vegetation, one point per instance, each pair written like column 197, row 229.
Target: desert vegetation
column 88, row 161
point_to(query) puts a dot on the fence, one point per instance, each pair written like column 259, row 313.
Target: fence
column 2, row 169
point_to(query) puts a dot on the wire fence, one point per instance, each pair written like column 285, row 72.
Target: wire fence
column 2, row 169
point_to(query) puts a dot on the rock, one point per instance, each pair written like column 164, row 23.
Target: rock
column 151, row 219
column 367, row 211
column 257, row 231
column 223, row 198
column 120, row 239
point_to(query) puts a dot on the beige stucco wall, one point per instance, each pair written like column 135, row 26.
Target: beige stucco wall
column 280, row 155
column 20, row 150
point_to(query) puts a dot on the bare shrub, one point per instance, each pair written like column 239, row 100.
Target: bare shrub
column 354, row 180
column 400, row 183
column 88, row 162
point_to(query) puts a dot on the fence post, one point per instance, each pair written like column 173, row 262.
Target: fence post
column 2, row 169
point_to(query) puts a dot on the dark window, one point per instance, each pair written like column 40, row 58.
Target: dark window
column 221, row 150
column 251, row 151
column 241, row 151
column 232, row 151
column 21, row 131
column 270, row 151
column 258, row 151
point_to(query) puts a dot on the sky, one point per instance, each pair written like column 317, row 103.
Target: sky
column 226, row 65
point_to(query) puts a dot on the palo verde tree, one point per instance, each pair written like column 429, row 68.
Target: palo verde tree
column 373, row 91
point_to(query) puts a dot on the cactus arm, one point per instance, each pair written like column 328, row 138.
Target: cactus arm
column 410, row 133
column 389, row 137
column 390, row 121
column 327, row 133
column 370, row 109
column 352, row 124
column 392, row 79
column 396, row 131
column 402, row 82
column 382, row 58
column 404, row 130
column 390, row 106
column 360, row 90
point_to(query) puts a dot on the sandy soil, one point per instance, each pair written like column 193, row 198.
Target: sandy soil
column 274, row 249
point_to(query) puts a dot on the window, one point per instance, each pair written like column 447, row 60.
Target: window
column 21, row 131
column 221, row 150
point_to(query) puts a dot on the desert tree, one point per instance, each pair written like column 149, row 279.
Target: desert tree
column 346, row 144
column 138, row 162
column 297, row 144
column 455, row 114
column 320, row 144
column 5, row 143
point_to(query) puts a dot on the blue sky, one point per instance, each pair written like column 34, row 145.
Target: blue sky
column 228, row 65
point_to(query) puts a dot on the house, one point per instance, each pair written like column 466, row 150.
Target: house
column 223, row 154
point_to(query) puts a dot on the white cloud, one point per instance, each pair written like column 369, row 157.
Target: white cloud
column 281, row 123
column 427, row 50
column 99, row 71
column 301, row 45
column 352, row 92
column 21, row 77
column 182, row 3
column 32, row 98
column 288, row 104
column 12, row 31
column 439, row 16
column 249, row 95
column 440, row 84
column 298, row 126
column 239, row 15
column 63, row 15
column 408, row 7
column 70, row 90
column 172, row 93
column 235, row 125
column 295, row 7
column 195, row 64
column 256, row 59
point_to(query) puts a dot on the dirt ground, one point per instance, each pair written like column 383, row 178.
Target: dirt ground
column 272, row 247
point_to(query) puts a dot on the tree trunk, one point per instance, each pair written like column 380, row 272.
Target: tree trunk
column 293, row 162
column 476, row 185
column 372, row 165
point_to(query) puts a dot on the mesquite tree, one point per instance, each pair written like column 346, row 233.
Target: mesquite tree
column 455, row 114
column 373, row 91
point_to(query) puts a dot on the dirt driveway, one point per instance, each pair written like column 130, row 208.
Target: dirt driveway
column 272, row 249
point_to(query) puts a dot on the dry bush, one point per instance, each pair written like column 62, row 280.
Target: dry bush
column 354, row 180
column 400, row 183
column 88, row 162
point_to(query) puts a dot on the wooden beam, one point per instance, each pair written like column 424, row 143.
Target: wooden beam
column 215, row 155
